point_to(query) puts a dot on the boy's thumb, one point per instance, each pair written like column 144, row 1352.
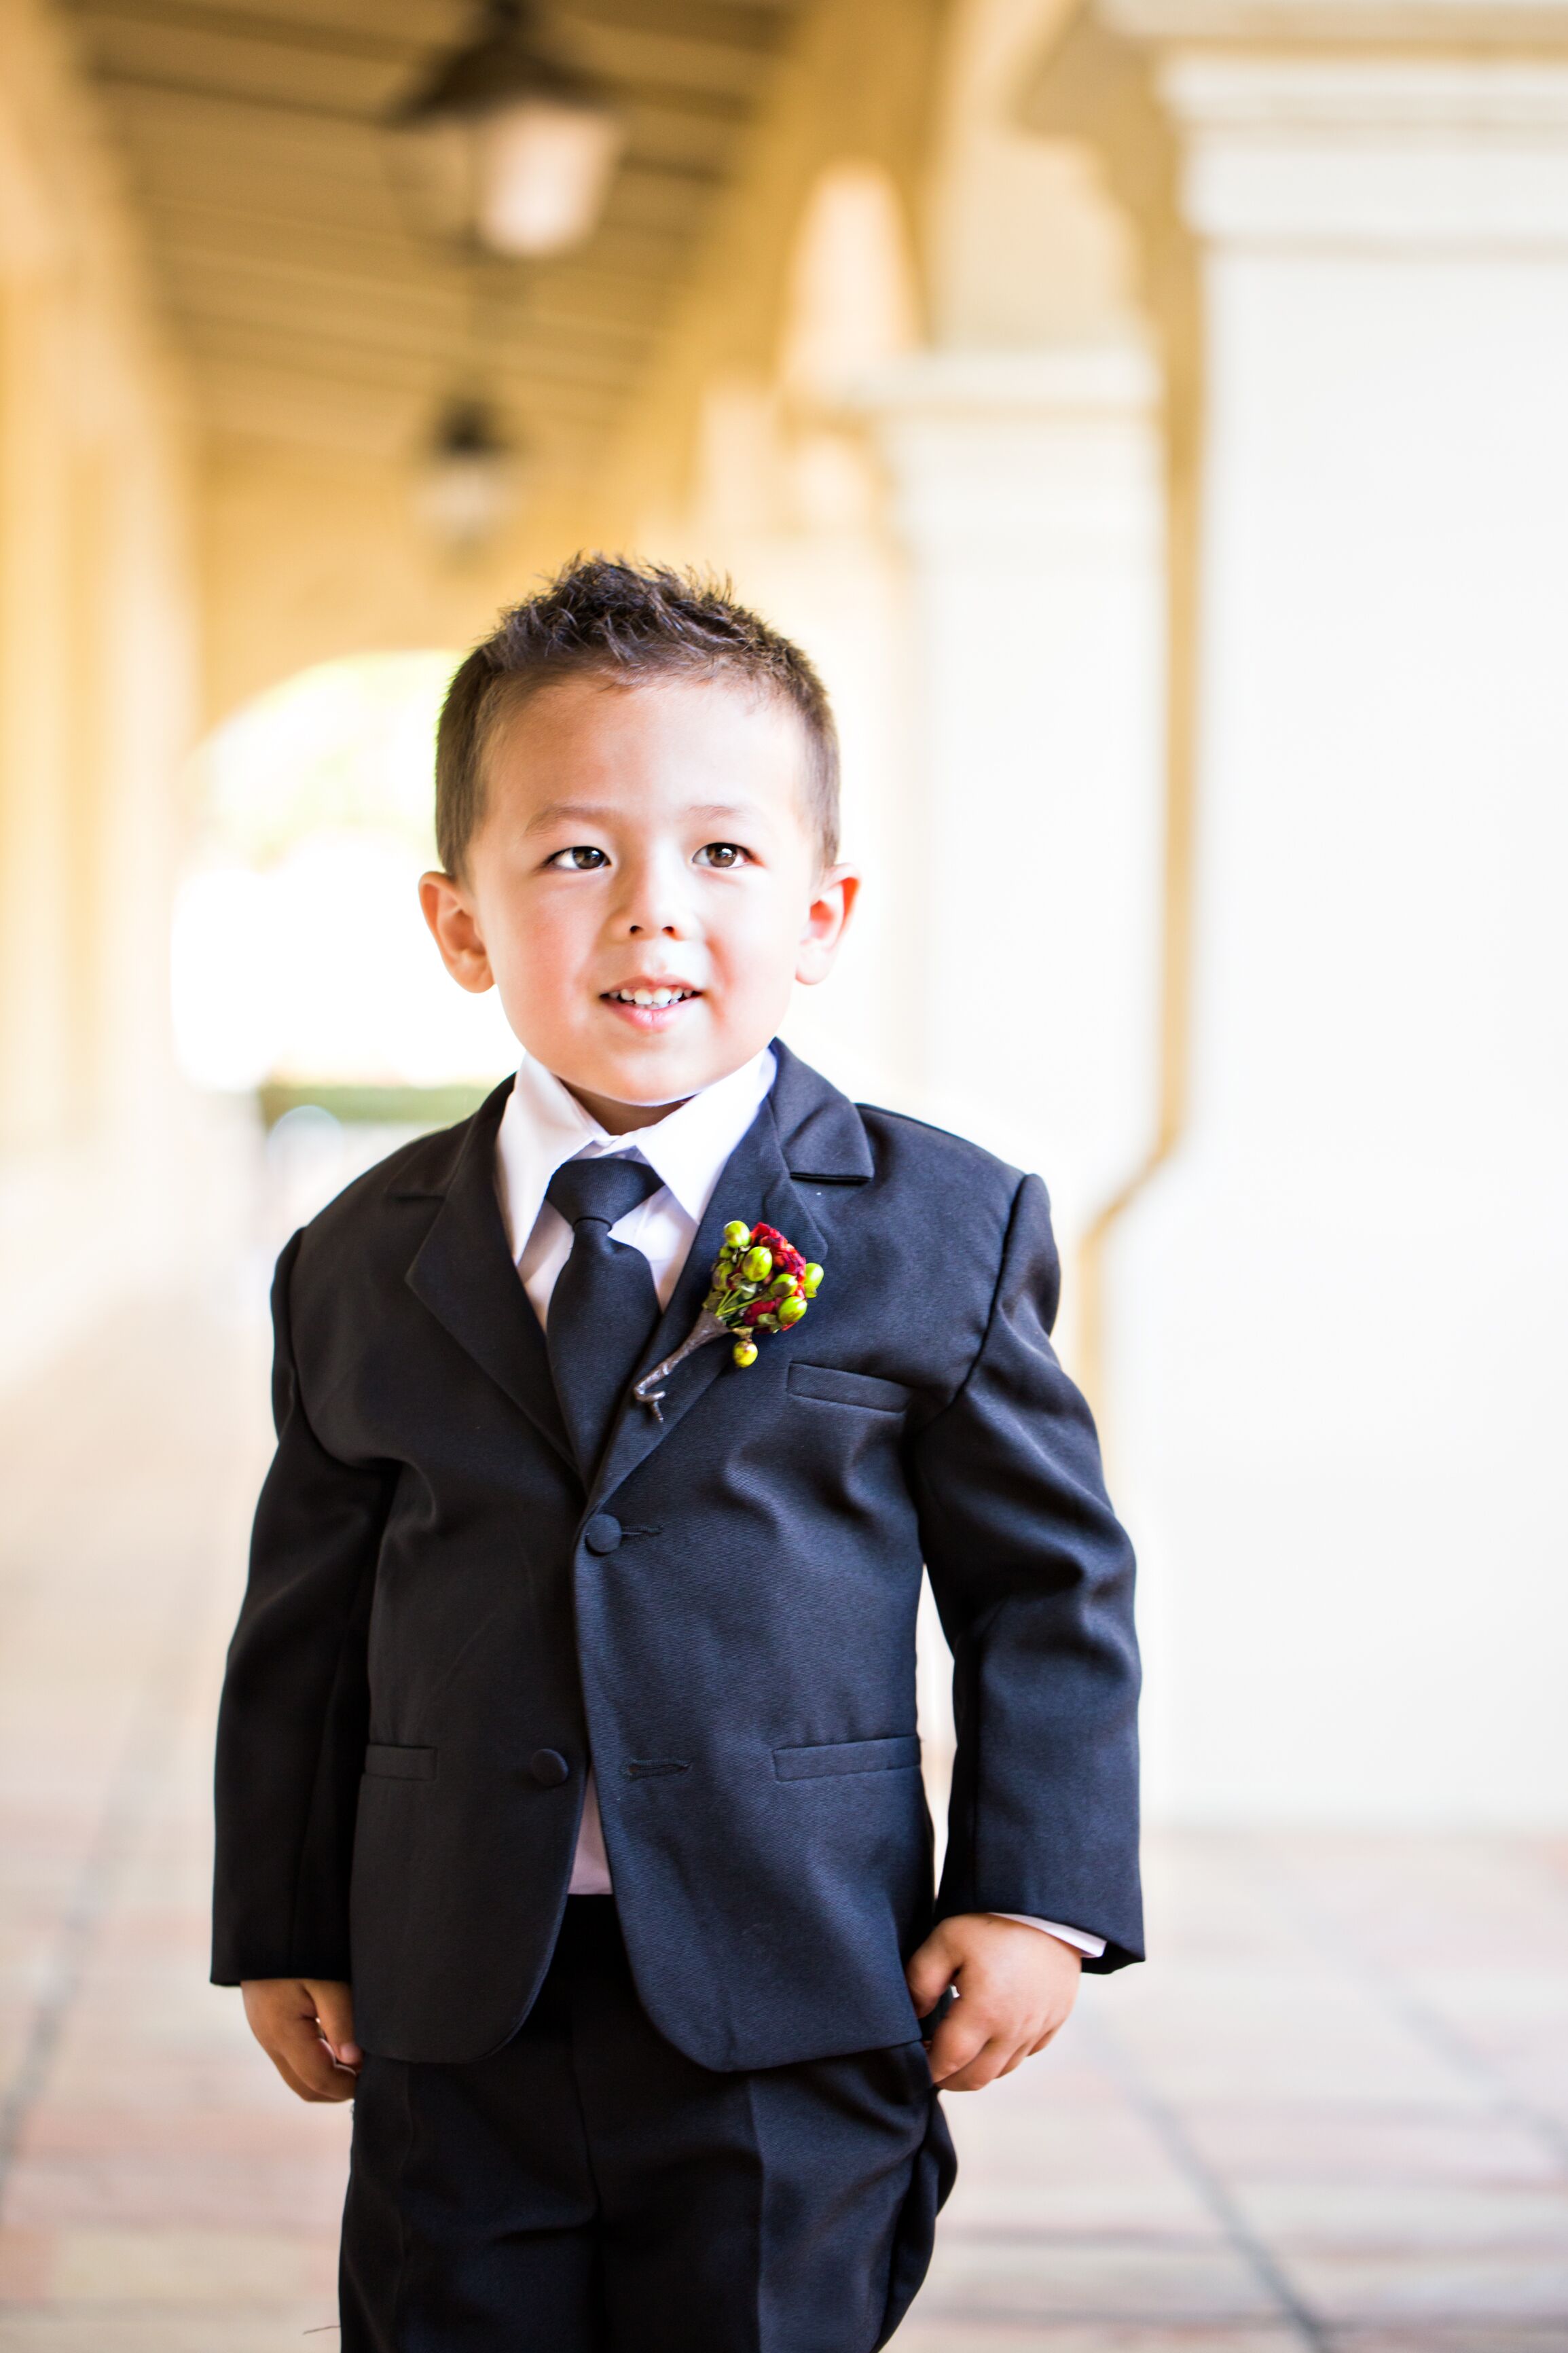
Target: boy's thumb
column 335, row 2016
column 929, row 1973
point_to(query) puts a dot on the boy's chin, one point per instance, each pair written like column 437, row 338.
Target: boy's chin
column 656, row 1074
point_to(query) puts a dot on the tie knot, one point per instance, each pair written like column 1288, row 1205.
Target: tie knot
column 607, row 1190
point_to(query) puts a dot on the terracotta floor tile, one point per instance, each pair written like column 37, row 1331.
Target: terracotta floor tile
column 24, row 2259
column 212, row 2329
column 1268, row 2144
column 1345, row 2218
column 131, row 2266
column 1429, row 2284
column 1454, row 2337
column 921, row 2335
column 1038, row 2278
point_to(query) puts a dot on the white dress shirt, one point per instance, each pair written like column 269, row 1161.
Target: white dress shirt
column 542, row 1127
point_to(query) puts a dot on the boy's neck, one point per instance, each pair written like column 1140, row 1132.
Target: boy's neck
column 621, row 1118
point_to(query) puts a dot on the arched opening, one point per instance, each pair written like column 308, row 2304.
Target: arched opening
column 303, row 977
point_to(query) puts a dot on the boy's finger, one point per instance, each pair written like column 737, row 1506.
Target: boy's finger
column 981, row 2067
column 301, row 2089
column 310, row 2062
column 928, row 1976
column 335, row 2011
column 325, row 2080
column 956, row 2043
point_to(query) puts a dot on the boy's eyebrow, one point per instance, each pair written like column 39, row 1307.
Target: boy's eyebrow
column 591, row 812
column 725, row 808
column 603, row 813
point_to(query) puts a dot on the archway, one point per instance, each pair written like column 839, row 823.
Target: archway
column 303, row 977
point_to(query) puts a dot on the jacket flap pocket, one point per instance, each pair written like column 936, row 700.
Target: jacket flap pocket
column 390, row 1764
column 846, row 1756
column 834, row 1388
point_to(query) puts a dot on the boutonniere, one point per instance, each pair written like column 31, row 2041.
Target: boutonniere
column 760, row 1284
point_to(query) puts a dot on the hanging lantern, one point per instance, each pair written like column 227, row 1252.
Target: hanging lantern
column 466, row 483
column 506, row 146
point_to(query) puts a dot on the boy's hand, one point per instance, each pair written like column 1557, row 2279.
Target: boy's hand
column 1016, row 1987
column 306, row 2026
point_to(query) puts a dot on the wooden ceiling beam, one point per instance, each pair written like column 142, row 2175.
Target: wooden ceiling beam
column 643, row 100
column 623, row 263
column 526, row 403
column 662, row 144
column 750, row 29
column 630, row 319
column 380, row 342
column 248, row 27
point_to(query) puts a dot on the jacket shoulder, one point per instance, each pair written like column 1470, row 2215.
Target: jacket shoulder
column 949, row 1204
column 372, row 1206
column 915, row 1151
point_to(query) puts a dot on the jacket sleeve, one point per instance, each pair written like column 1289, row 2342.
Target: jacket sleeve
column 295, row 1709
column 1032, row 1576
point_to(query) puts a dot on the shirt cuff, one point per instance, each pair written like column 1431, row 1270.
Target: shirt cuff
column 1079, row 1938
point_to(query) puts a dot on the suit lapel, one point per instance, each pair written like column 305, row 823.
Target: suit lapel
column 464, row 1274
column 757, row 1184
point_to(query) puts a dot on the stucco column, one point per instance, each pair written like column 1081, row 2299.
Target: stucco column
column 1336, row 1356
column 1026, row 491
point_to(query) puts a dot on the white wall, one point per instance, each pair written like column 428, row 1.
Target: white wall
column 1339, row 1384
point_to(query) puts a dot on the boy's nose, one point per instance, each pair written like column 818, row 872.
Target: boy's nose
column 653, row 907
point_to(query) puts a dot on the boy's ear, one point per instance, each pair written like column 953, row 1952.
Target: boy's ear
column 832, row 904
column 451, row 918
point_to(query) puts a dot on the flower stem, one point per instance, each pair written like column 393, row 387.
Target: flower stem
column 650, row 1391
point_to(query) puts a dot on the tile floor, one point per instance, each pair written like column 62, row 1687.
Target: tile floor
column 1335, row 2115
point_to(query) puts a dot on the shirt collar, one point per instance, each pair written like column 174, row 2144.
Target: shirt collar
column 543, row 1125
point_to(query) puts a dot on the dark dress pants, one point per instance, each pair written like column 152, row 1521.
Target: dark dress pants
column 590, row 2189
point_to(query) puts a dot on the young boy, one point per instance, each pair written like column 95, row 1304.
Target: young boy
column 570, row 1814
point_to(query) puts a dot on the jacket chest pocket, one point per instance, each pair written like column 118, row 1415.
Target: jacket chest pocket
column 825, row 1385
column 385, row 1763
column 826, row 1760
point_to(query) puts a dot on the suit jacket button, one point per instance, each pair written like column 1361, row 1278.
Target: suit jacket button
column 603, row 1533
column 549, row 1768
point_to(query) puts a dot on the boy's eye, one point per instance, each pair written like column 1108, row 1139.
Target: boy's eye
column 723, row 854
column 581, row 859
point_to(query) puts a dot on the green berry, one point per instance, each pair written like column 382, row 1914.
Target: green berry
column 790, row 1311
column 735, row 1233
column 745, row 1353
column 810, row 1278
column 757, row 1264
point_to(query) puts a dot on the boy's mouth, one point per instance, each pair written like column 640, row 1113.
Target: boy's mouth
column 649, row 1004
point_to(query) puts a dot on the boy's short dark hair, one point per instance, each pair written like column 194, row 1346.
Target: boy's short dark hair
column 631, row 622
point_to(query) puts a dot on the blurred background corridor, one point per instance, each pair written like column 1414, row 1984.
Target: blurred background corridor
column 1151, row 414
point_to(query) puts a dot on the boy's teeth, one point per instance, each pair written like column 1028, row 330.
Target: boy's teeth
column 651, row 995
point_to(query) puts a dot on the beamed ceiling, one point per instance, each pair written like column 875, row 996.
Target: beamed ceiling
column 308, row 306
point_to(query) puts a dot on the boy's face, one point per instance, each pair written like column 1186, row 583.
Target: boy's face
column 642, row 841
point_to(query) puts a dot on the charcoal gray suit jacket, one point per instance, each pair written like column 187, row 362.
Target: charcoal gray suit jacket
column 442, row 1627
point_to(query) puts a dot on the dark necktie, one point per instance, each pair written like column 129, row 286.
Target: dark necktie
column 604, row 1308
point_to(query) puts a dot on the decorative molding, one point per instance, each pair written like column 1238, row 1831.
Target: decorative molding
column 1417, row 154
column 1035, row 456
column 1097, row 380
column 1374, row 98
column 1519, row 25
